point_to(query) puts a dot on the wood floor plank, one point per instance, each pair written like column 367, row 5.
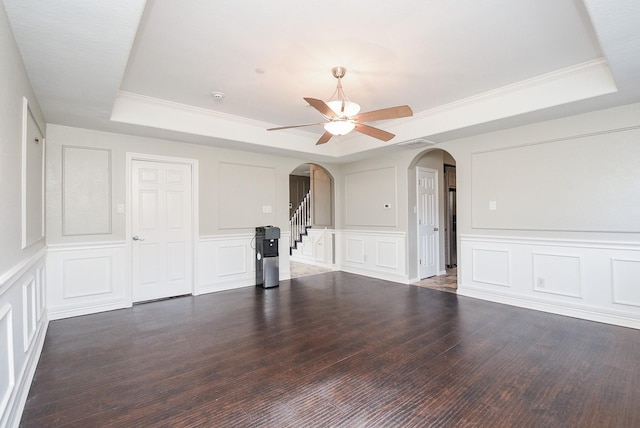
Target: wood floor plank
column 334, row 349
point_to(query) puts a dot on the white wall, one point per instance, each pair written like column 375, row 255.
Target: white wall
column 23, row 320
column 575, row 184
column 564, row 235
column 237, row 192
column 374, row 240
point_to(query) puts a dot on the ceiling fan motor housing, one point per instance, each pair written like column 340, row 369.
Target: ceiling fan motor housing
column 338, row 72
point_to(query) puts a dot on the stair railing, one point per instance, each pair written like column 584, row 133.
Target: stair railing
column 300, row 220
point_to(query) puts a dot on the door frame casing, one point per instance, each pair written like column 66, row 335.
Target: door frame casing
column 437, row 213
column 195, row 223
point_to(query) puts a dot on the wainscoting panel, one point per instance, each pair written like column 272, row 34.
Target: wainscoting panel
column 40, row 292
column 234, row 259
column 307, row 245
column 355, row 251
column 23, row 326
column 373, row 253
column 7, row 368
column 316, row 248
column 228, row 261
column 491, row 267
column 87, row 278
column 557, row 274
column 387, row 254
column 593, row 280
column 625, row 282
column 29, row 310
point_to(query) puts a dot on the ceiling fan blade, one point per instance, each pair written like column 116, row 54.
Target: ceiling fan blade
column 325, row 137
column 294, row 126
column 385, row 113
column 321, row 106
column 374, row 132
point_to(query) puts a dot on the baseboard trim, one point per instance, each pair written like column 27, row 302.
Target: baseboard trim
column 214, row 287
column 56, row 314
column 402, row 279
column 302, row 259
column 586, row 313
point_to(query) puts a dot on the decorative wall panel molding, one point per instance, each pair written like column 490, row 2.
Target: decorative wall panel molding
column 557, row 274
column 7, row 368
column 377, row 254
column 29, row 311
column 40, row 292
column 86, row 191
column 233, row 259
column 87, row 278
column 387, row 254
column 546, row 161
column 248, row 197
column 23, row 326
column 228, row 261
column 594, row 280
column 625, row 281
column 491, row 266
column 317, row 248
column 33, row 173
column 355, row 251
column 368, row 207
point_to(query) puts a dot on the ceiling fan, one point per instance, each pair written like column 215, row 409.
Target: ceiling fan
column 343, row 116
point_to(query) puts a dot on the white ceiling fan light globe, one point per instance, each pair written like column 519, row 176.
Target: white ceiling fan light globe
column 350, row 108
column 340, row 127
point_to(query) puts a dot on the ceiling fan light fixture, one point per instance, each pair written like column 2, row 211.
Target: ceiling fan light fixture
column 340, row 127
column 343, row 116
column 350, row 108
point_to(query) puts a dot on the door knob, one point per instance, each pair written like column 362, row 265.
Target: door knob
column 137, row 238
column 435, row 229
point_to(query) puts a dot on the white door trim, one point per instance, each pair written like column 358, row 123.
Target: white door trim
column 437, row 215
column 195, row 223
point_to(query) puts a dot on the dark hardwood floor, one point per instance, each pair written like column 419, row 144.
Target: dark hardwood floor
column 334, row 350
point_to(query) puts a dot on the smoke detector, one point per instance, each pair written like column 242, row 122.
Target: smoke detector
column 218, row 96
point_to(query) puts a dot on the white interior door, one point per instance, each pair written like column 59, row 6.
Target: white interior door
column 161, row 226
column 427, row 222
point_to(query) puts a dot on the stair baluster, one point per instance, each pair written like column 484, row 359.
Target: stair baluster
column 300, row 221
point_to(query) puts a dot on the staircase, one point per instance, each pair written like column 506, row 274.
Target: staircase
column 300, row 221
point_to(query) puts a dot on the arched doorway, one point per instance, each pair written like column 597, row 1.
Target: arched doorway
column 311, row 220
column 433, row 217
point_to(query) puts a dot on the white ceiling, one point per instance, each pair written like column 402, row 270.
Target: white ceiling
column 463, row 66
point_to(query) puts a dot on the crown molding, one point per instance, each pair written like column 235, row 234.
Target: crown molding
column 573, row 72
